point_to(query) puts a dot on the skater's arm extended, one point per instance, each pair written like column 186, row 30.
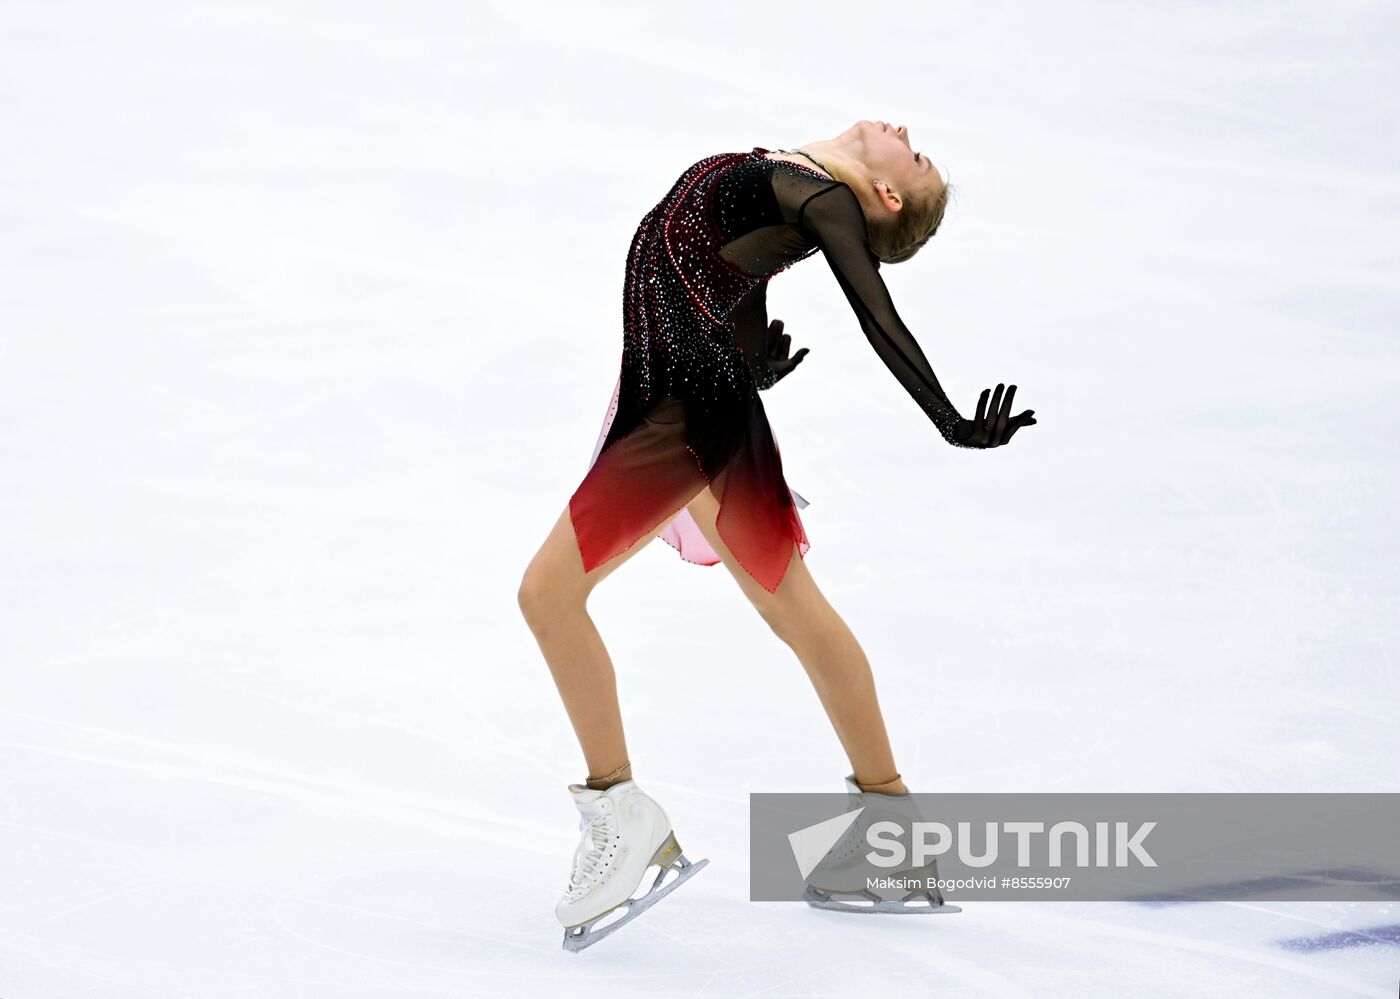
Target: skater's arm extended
column 834, row 217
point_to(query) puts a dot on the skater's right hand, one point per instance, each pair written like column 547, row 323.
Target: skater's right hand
column 994, row 425
column 779, row 343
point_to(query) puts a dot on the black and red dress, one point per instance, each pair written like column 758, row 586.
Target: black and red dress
column 686, row 412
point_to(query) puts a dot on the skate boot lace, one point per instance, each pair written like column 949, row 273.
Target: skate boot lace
column 589, row 859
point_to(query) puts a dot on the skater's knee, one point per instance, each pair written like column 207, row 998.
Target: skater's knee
column 546, row 591
column 527, row 598
column 783, row 618
column 795, row 618
column 781, row 622
column 535, row 596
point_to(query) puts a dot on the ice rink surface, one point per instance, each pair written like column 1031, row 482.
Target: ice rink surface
column 308, row 318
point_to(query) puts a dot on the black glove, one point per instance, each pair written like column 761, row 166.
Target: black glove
column 779, row 343
column 992, row 426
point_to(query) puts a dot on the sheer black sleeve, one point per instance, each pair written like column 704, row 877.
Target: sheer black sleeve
column 750, row 318
column 833, row 217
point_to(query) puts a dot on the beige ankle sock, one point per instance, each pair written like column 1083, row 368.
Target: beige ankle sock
column 619, row 775
column 880, row 788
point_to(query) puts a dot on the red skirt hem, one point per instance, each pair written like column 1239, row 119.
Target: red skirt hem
column 638, row 487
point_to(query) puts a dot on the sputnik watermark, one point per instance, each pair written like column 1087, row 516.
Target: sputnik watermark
column 928, row 841
column 1154, row 848
column 959, row 884
column 889, row 849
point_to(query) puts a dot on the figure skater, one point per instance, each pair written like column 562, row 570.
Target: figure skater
column 686, row 454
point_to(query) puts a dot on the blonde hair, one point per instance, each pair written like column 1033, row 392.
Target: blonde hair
column 899, row 238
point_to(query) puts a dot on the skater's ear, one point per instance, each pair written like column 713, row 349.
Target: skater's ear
column 897, row 238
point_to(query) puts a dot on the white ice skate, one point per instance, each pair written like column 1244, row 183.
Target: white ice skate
column 624, row 833
column 839, row 882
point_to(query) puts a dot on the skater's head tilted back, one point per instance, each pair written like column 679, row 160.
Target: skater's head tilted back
column 900, row 189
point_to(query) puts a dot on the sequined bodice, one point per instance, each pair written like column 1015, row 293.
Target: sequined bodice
column 755, row 235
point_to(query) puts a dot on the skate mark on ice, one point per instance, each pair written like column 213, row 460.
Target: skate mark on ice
column 1221, row 891
column 1344, row 938
column 1047, row 924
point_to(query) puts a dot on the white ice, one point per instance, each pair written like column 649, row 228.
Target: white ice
column 309, row 313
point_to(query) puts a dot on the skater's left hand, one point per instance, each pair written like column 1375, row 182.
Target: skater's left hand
column 779, row 343
column 993, row 427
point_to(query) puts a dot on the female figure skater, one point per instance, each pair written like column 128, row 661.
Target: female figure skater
column 686, row 454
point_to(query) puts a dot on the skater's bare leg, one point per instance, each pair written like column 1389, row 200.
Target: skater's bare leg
column 800, row 616
column 553, row 597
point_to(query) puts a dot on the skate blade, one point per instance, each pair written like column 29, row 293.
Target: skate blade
column 914, row 904
column 576, row 938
